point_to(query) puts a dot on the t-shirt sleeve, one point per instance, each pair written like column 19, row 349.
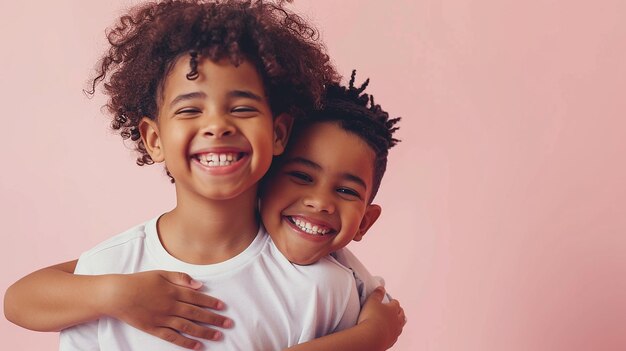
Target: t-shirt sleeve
column 365, row 282
column 82, row 337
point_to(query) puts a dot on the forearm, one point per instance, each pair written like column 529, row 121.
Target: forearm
column 362, row 337
column 377, row 329
column 54, row 298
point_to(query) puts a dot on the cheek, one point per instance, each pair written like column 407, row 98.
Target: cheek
column 261, row 130
column 273, row 202
column 263, row 149
column 270, row 216
column 352, row 219
column 177, row 138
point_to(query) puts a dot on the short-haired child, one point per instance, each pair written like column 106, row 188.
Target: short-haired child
column 318, row 195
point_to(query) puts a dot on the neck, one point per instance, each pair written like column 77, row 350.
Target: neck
column 202, row 231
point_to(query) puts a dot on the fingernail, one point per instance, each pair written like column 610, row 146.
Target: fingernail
column 217, row 336
column 227, row 323
column 195, row 283
column 198, row 346
column 219, row 305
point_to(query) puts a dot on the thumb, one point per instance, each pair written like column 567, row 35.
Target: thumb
column 378, row 294
column 182, row 279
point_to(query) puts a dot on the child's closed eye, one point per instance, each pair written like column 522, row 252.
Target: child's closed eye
column 188, row 112
column 300, row 177
column 244, row 111
column 347, row 192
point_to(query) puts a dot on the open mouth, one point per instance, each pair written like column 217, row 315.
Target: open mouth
column 310, row 228
column 212, row 159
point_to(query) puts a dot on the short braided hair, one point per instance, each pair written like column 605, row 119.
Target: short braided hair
column 356, row 112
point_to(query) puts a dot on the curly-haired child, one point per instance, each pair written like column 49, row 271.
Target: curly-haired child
column 210, row 89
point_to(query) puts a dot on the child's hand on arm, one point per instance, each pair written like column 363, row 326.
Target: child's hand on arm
column 377, row 329
column 385, row 320
column 164, row 304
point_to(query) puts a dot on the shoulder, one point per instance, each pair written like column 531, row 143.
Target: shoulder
column 347, row 259
column 113, row 254
column 365, row 281
column 326, row 272
column 118, row 241
column 329, row 264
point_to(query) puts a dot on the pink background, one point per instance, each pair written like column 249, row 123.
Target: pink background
column 503, row 225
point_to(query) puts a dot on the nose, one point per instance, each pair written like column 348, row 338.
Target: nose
column 218, row 126
column 320, row 202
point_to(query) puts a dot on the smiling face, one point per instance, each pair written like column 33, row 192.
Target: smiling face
column 316, row 200
column 216, row 133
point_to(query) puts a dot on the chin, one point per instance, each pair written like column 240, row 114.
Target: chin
column 302, row 261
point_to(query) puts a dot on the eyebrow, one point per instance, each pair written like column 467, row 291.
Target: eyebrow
column 311, row 164
column 188, row 96
column 245, row 94
column 231, row 94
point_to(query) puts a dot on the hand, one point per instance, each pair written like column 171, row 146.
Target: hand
column 164, row 304
column 386, row 319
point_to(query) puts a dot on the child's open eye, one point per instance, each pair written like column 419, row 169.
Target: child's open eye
column 244, row 111
column 349, row 192
column 300, row 177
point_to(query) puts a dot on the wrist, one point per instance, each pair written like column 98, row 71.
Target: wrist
column 105, row 301
column 375, row 333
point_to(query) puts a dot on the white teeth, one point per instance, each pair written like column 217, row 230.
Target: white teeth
column 218, row 160
column 310, row 228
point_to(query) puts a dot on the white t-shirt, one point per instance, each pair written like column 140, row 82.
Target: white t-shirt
column 274, row 303
column 365, row 282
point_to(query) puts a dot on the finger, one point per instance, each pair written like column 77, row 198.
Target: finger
column 402, row 316
column 201, row 300
column 182, row 279
column 201, row 315
column 187, row 327
column 378, row 294
column 394, row 303
column 175, row 338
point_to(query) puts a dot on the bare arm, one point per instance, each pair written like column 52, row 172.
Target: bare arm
column 378, row 328
column 52, row 298
column 158, row 302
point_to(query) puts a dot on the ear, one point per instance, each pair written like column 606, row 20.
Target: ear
column 150, row 136
column 372, row 212
column 282, row 129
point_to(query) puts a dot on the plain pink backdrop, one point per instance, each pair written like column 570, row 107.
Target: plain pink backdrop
column 503, row 225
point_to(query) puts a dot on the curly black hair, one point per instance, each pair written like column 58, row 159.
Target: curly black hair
column 356, row 112
column 145, row 42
